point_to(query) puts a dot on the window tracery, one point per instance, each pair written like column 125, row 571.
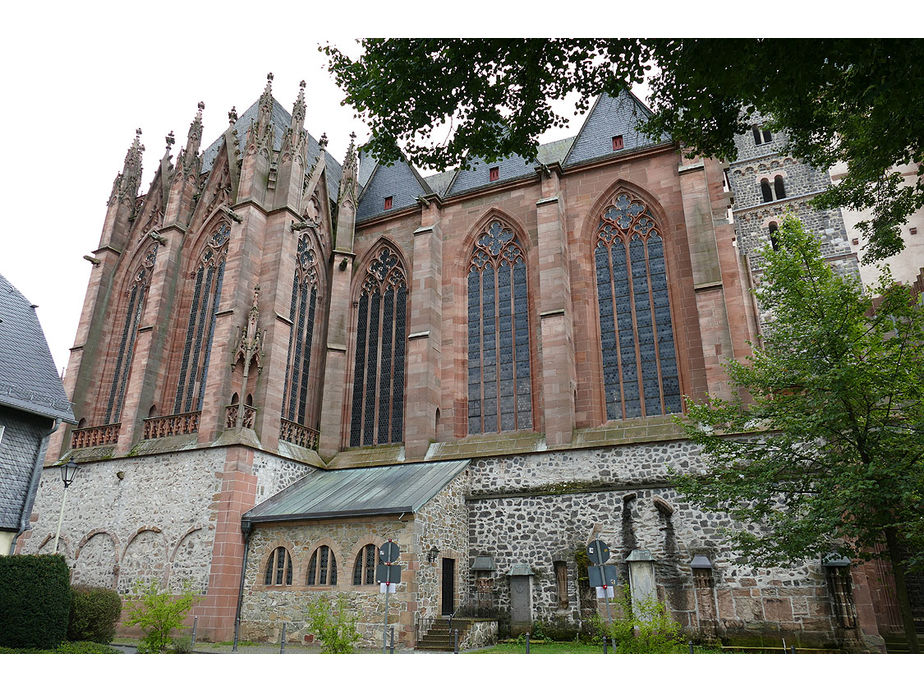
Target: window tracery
column 278, row 568
column 364, row 567
column 636, row 335
column 297, row 397
column 499, row 388
column 322, row 568
column 137, row 296
column 201, row 326
column 381, row 343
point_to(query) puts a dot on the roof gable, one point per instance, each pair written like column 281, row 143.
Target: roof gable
column 28, row 378
column 399, row 181
column 611, row 116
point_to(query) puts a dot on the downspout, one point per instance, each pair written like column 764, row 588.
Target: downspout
column 246, row 530
column 33, row 485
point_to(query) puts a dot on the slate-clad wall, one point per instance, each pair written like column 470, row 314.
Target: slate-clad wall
column 540, row 508
column 22, row 438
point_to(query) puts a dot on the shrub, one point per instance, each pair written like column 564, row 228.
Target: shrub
column 85, row 647
column 158, row 614
column 94, row 614
column 335, row 627
column 35, row 595
column 644, row 628
column 181, row 645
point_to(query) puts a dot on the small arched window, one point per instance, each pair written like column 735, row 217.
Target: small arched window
column 768, row 136
column 377, row 415
column 756, row 132
column 278, row 568
column 774, row 238
column 499, row 388
column 779, row 188
column 322, row 568
column 364, row 568
column 201, row 326
column 765, row 190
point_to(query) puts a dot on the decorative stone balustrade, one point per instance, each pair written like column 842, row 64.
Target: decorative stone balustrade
column 250, row 414
column 298, row 434
column 172, row 425
column 92, row 436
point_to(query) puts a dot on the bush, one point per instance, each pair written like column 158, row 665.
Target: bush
column 85, row 647
column 35, row 595
column 94, row 614
column 181, row 645
column 645, row 628
column 158, row 614
column 334, row 627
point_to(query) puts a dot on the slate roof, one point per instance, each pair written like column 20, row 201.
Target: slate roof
column 401, row 488
column 399, row 181
column 280, row 119
column 28, row 378
column 610, row 116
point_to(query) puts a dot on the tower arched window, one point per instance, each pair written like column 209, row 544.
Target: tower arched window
column 322, row 568
column 774, row 230
column 499, row 391
column 381, row 343
column 137, row 296
column 779, row 188
column 755, row 130
column 297, row 399
column 201, row 326
column 765, row 190
column 639, row 359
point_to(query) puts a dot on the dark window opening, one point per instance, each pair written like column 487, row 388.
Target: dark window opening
column 617, row 142
column 364, row 568
column 494, row 173
column 561, row 583
column 774, row 235
column 756, row 131
column 779, row 188
column 766, row 191
column 913, row 231
column 322, row 569
column 388, row 202
column 768, row 136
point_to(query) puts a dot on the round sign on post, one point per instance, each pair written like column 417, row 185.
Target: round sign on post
column 598, row 552
column 389, row 552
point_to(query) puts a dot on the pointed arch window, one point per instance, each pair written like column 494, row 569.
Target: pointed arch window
column 381, row 343
column 499, row 392
column 297, row 399
column 201, row 326
column 137, row 297
column 636, row 334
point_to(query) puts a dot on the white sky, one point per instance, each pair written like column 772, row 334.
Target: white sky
column 78, row 78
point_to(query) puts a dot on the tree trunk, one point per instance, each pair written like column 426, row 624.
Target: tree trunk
column 904, row 604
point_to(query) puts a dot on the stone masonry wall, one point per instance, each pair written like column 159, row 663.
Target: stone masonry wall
column 540, row 508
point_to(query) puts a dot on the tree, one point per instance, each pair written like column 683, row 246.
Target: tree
column 158, row 613
column 822, row 450
column 852, row 100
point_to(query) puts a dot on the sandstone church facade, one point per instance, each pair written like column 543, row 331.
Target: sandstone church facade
column 284, row 361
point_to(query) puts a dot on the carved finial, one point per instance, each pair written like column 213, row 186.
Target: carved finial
column 171, row 140
column 323, row 141
column 302, row 85
column 125, row 186
column 269, row 79
column 232, row 115
column 298, row 110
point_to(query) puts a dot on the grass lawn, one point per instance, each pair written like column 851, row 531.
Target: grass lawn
column 542, row 648
column 80, row 647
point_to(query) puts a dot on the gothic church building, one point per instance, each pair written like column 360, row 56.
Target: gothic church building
column 284, row 361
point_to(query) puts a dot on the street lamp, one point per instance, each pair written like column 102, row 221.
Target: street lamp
column 68, row 472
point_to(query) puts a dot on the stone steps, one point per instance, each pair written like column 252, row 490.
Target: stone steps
column 439, row 637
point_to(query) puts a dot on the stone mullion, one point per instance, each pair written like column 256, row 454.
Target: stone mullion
column 513, row 351
column 118, row 367
column 609, row 259
column 638, row 354
column 129, row 354
column 497, row 393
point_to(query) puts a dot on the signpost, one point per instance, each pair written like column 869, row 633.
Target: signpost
column 388, row 576
column 603, row 577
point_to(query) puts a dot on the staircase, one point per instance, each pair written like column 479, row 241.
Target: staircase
column 896, row 643
column 439, row 637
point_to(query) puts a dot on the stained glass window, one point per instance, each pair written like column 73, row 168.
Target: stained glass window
column 639, row 359
column 499, row 392
column 136, row 301
column 378, row 370
column 278, row 568
column 322, row 568
column 298, row 399
column 201, row 326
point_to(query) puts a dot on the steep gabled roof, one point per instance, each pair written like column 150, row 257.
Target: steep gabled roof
column 28, row 379
column 399, row 181
column 400, row 488
column 610, row 116
column 281, row 120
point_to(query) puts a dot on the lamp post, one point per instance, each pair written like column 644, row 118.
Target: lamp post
column 68, row 472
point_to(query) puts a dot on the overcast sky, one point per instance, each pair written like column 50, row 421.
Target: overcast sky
column 79, row 78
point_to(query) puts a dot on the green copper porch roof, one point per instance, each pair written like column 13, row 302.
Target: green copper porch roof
column 399, row 488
